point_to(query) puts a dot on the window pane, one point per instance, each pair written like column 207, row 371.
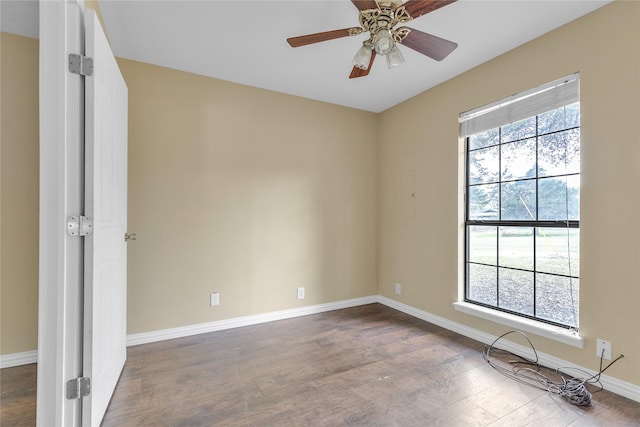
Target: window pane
column 483, row 202
column 516, row 247
column 519, row 200
column 516, row 291
column 558, row 251
column 573, row 115
column 552, row 198
column 519, row 160
column 519, row 130
column 484, row 139
column 484, row 165
column 557, row 299
column 483, row 244
column 573, row 188
column 482, row 283
column 559, row 153
column 559, row 119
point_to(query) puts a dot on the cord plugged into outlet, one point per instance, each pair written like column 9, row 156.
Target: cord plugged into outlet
column 603, row 348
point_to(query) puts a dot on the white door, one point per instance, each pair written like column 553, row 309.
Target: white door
column 105, row 276
column 82, row 294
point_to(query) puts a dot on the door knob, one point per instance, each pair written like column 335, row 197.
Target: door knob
column 128, row 236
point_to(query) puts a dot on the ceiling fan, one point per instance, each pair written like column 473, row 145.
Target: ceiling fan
column 379, row 19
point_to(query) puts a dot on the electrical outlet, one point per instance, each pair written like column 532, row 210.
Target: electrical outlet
column 215, row 298
column 300, row 293
column 398, row 288
column 603, row 348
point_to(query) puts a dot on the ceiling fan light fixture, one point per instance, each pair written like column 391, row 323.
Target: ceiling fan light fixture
column 363, row 57
column 394, row 57
column 379, row 20
column 383, row 41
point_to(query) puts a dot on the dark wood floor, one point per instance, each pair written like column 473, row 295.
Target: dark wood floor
column 363, row 366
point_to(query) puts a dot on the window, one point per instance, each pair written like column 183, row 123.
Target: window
column 522, row 204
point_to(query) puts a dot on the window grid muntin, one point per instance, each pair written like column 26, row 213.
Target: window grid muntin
column 535, row 224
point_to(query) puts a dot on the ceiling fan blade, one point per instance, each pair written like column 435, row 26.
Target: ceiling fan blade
column 417, row 8
column 357, row 72
column 321, row 37
column 427, row 44
column 365, row 4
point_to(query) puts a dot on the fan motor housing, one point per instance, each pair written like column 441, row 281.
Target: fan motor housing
column 385, row 17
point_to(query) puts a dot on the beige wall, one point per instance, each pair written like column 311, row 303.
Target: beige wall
column 419, row 248
column 232, row 189
column 252, row 193
column 245, row 192
column 19, row 193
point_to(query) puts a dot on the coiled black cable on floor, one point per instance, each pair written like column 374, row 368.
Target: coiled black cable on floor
column 528, row 372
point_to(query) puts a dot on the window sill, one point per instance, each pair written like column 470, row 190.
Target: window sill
column 542, row 329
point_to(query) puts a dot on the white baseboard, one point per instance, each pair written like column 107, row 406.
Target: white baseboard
column 611, row 384
column 201, row 328
column 614, row 385
column 17, row 359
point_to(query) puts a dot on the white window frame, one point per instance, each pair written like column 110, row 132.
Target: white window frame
column 511, row 109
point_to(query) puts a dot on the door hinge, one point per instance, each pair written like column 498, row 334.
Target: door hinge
column 80, row 64
column 78, row 388
column 80, row 226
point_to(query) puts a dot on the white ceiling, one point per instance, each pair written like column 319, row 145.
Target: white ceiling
column 245, row 41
